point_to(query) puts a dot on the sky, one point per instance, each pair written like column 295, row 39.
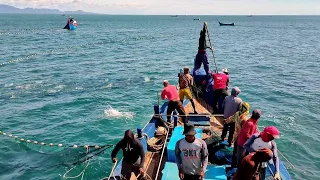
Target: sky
column 178, row 7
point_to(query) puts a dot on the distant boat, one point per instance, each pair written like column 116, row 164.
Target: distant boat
column 71, row 24
column 63, row 15
column 197, row 19
column 175, row 16
column 226, row 24
column 249, row 16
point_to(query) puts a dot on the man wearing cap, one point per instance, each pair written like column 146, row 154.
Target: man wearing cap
column 262, row 140
column 191, row 155
column 248, row 129
column 202, row 57
column 220, row 87
column 170, row 92
column 185, row 83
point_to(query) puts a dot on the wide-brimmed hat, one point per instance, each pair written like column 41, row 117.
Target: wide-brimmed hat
column 273, row 131
column 189, row 130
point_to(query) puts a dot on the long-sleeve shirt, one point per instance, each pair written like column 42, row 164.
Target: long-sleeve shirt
column 170, row 92
column 131, row 151
column 191, row 157
column 255, row 143
column 248, row 129
column 202, row 40
column 239, row 120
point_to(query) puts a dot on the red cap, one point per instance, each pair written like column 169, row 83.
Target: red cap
column 273, row 131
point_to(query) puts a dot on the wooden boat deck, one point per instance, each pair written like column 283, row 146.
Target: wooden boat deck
column 152, row 159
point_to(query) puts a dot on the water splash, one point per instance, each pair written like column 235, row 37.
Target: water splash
column 109, row 85
column 114, row 113
column 146, row 79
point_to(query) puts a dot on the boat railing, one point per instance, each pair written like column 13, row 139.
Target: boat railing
column 112, row 171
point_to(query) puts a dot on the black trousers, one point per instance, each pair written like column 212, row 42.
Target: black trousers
column 191, row 177
column 218, row 93
column 232, row 128
column 172, row 105
column 234, row 162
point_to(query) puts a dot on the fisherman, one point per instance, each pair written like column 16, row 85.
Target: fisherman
column 191, row 155
column 185, row 83
column 231, row 105
column 202, row 56
column 250, row 166
column 248, row 129
column 133, row 156
column 262, row 140
column 239, row 118
column 170, row 92
column 220, row 87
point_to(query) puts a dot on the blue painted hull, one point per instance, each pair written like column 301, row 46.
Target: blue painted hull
column 72, row 27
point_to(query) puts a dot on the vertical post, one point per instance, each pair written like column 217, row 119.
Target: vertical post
column 156, row 109
column 175, row 118
column 156, row 115
column 139, row 131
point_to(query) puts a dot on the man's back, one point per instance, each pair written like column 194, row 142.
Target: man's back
column 170, row 92
column 185, row 81
column 232, row 103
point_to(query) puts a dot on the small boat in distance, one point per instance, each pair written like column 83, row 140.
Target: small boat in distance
column 197, row 19
column 63, row 15
column 175, row 16
column 225, row 24
column 249, row 16
column 71, row 24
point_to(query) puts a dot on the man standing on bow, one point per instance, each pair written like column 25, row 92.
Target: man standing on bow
column 202, row 57
column 133, row 156
column 191, row 155
column 170, row 92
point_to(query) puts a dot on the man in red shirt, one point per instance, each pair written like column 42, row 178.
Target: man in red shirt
column 220, row 86
column 247, row 130
column 170, row 92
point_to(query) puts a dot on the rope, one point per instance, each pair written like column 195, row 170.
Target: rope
column 214, row 59
column 81, row 173
column 112, row 170
column 194, row 115
column 28, row 141
column 157, row 174
column 145, row 174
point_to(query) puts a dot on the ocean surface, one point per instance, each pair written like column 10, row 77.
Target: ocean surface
column 89, row 85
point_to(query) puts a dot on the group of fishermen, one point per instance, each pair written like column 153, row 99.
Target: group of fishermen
column 252, row 149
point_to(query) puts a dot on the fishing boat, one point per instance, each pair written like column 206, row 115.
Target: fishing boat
column 160, row 149
column 197, row 19
column 160, row 165
column 71, row 24
column 225, row 24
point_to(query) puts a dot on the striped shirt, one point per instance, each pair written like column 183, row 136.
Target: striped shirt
column 185, row 81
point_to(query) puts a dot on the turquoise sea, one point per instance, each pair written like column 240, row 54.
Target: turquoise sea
column 88, row 86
